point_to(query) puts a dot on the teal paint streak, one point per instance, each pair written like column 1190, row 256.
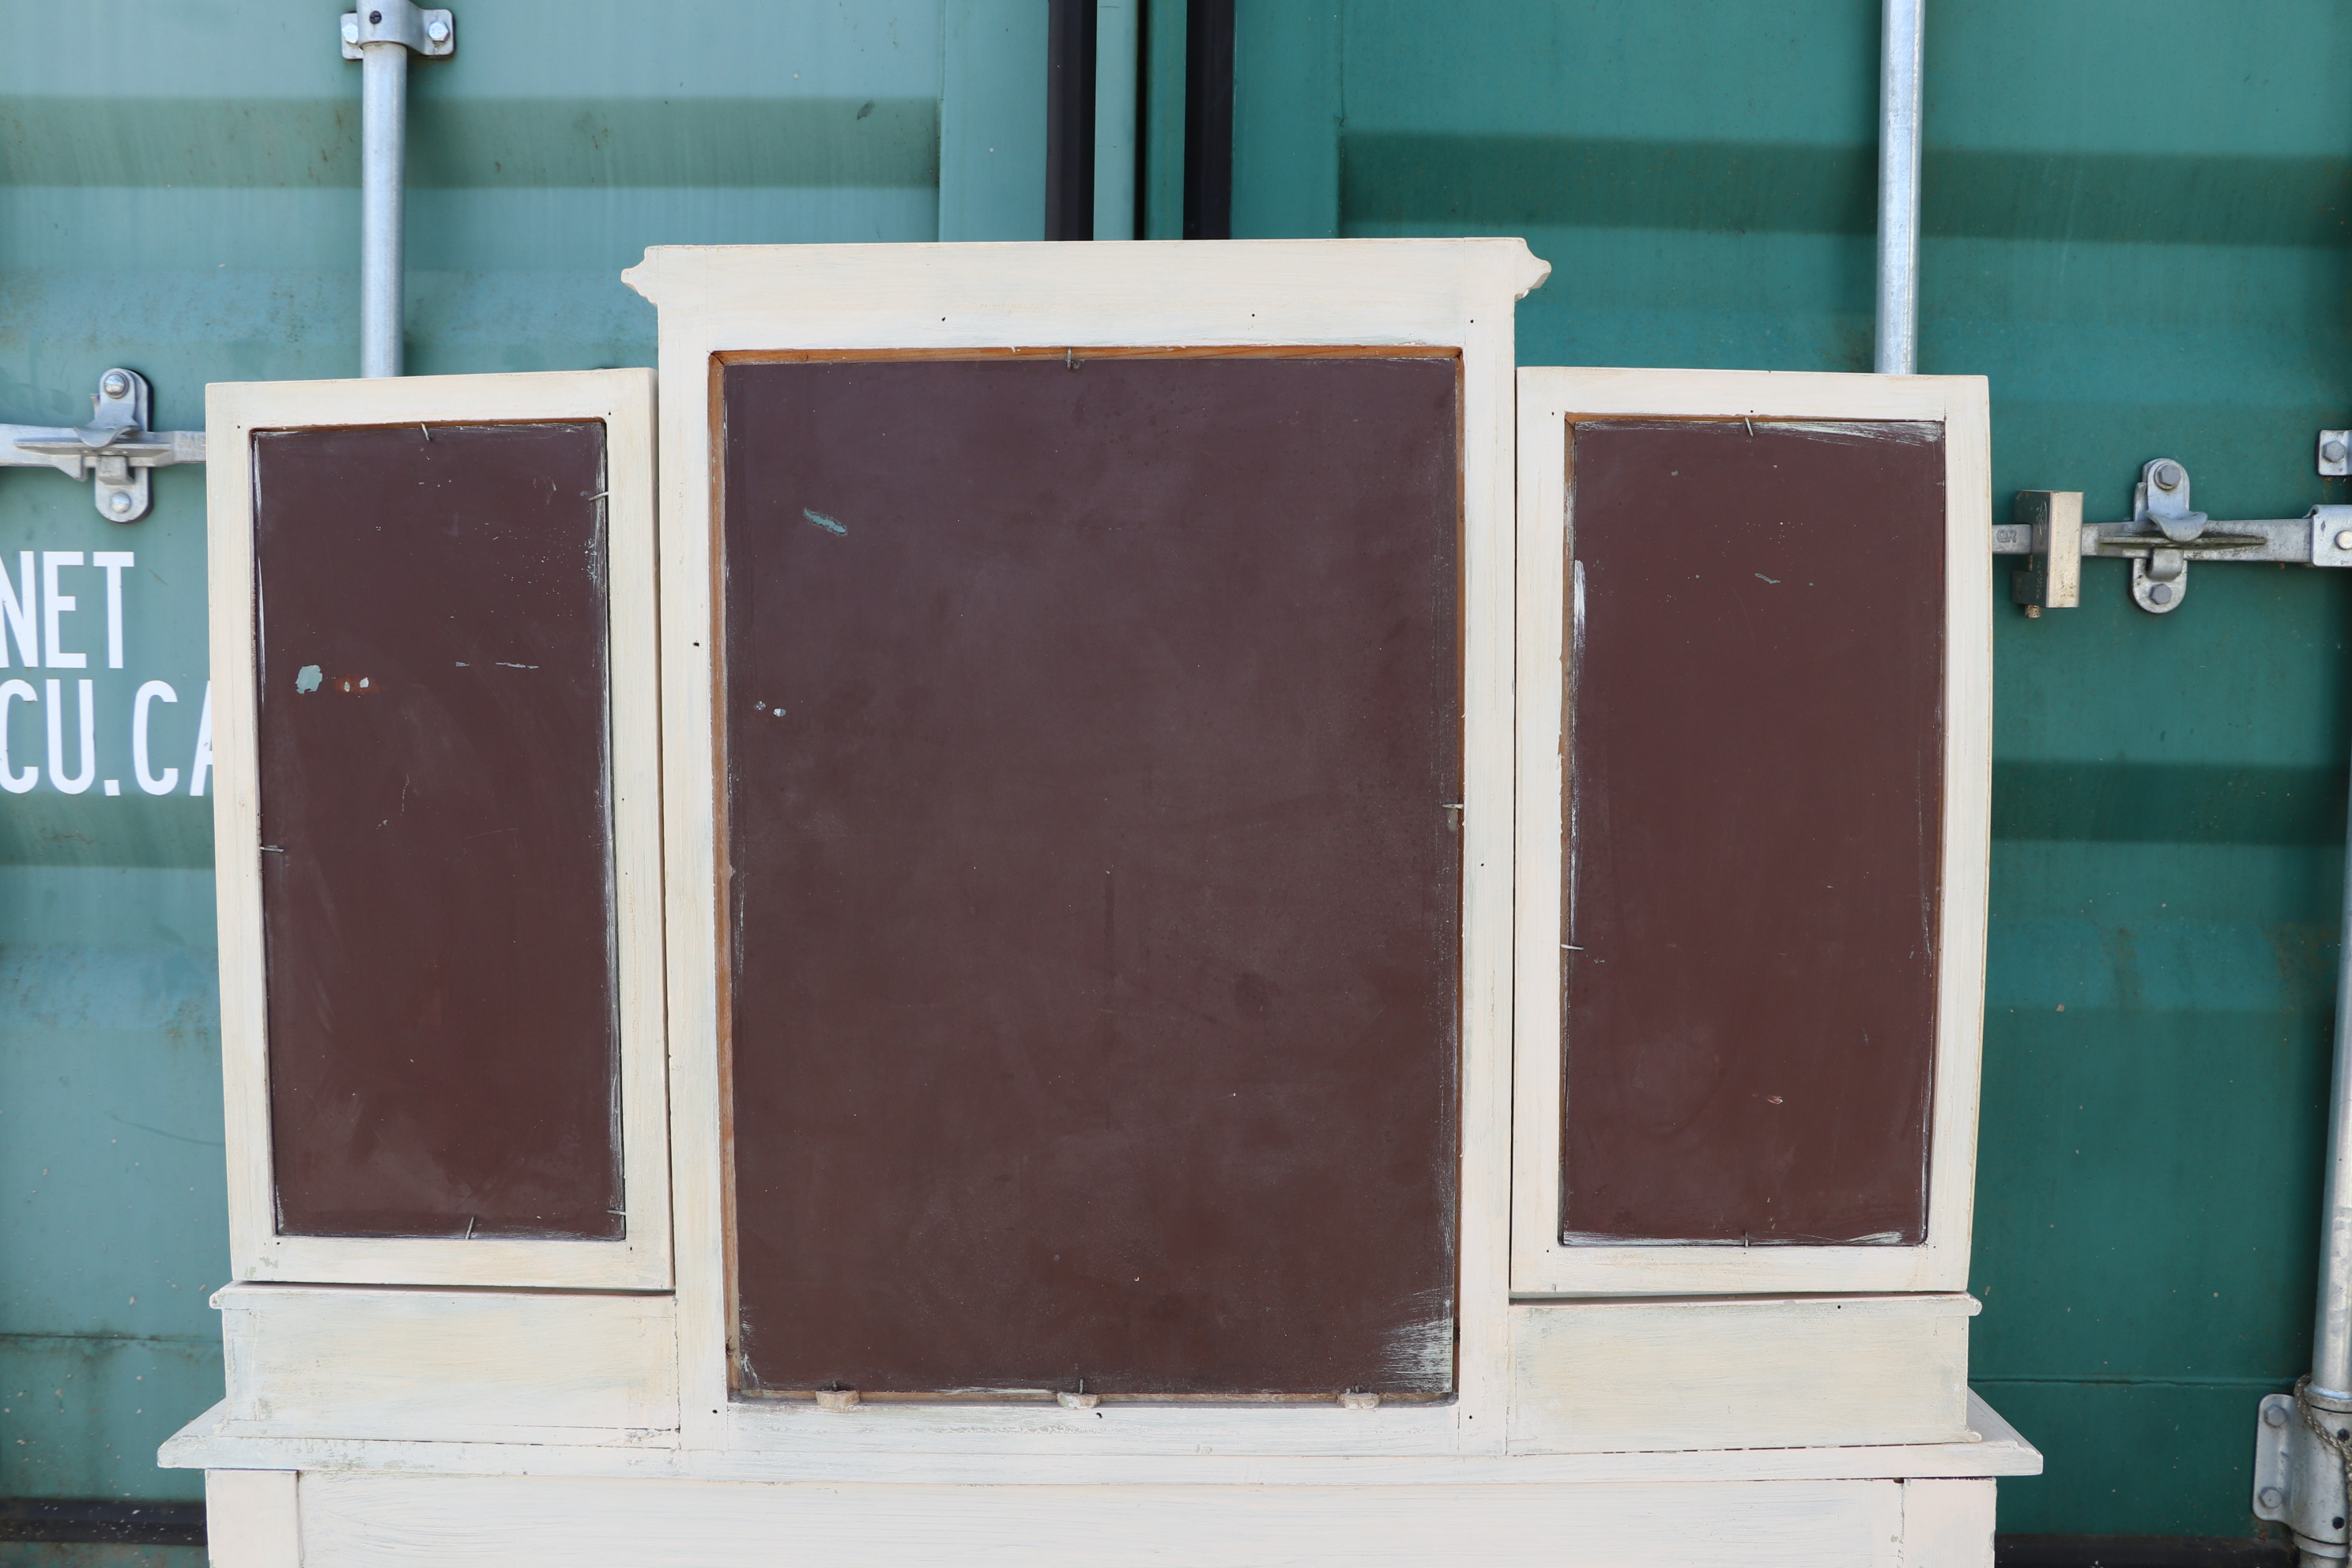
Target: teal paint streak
column 2131, row 1459
column 1474, row 183
column 114, row 1233
column 1286, row 119
column 80, row 1414
column 247, row 48
column 2188, row 803
column 993, row 119
column 1162, row 194
column 473, row 143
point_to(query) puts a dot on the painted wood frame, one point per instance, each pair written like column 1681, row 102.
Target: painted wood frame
column 622, row 400
column 1549, row 400
column 218, row 1441
column 1043, row 299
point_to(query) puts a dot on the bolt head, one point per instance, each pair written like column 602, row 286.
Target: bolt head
column 437, row 30
column 119, row 502
column 115, row 385
column 2274, row 1416
column 2272, row 1499
column 2161, row 593
column 2168, row 475
column 2333, row 451
column 2343, row 540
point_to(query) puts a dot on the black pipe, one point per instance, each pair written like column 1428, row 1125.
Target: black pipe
column 1070, row 120
column 1209, row 119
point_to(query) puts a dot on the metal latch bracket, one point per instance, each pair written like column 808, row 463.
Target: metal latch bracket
column 2164, row 536
column 114, row 450
column 432, row 34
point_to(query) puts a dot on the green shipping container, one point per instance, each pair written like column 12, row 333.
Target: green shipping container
column 2134, row 224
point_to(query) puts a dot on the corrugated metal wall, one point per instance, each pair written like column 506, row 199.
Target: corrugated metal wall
column 178, row 194
column 2135, row 221
column 2135, row 218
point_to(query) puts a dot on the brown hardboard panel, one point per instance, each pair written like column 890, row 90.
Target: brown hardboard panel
column 1754, row 813
column 436, row 862
column 1095, row 913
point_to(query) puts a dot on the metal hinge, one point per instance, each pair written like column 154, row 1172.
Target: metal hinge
column 2164, row 535
column 2298, row 1478
column 115, row 449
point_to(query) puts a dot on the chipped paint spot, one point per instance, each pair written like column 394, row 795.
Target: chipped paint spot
column 503, row 664
column 822, row 521
column 309, row 678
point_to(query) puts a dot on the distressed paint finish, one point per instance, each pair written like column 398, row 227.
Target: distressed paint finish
column 1327, row 301
column 363, row 1520
column 2167, row 791
column 1081, row 1447
column 1739, row 1372
column 1095, row 909
column 1755, row 807
column 436, row 822
column 537, row 1366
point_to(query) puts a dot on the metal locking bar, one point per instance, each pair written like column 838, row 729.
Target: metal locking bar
column 114, row 450
column 2164, row 536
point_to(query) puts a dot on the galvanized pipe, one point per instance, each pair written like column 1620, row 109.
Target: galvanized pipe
column 2331, row 1334
column 1899, row 57
column 383, row 154
column 2319, row 1508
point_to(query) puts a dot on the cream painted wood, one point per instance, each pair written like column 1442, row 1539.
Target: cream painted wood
column 346, row 1361
column 623, row 400
column 1549, row 398
column 1948, row 1524
column 1048, row 298
column 1741, row 1372
column 207, row 1443
column 360, row 1520
column 251, row 1520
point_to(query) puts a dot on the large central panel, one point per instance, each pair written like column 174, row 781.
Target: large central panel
column 1091, row 729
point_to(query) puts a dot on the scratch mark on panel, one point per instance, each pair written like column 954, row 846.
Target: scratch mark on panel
column 822, row 521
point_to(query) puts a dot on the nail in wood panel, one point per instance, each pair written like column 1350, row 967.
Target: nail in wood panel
column 437, row 867
column 1755, row 814
column 1094, row 904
